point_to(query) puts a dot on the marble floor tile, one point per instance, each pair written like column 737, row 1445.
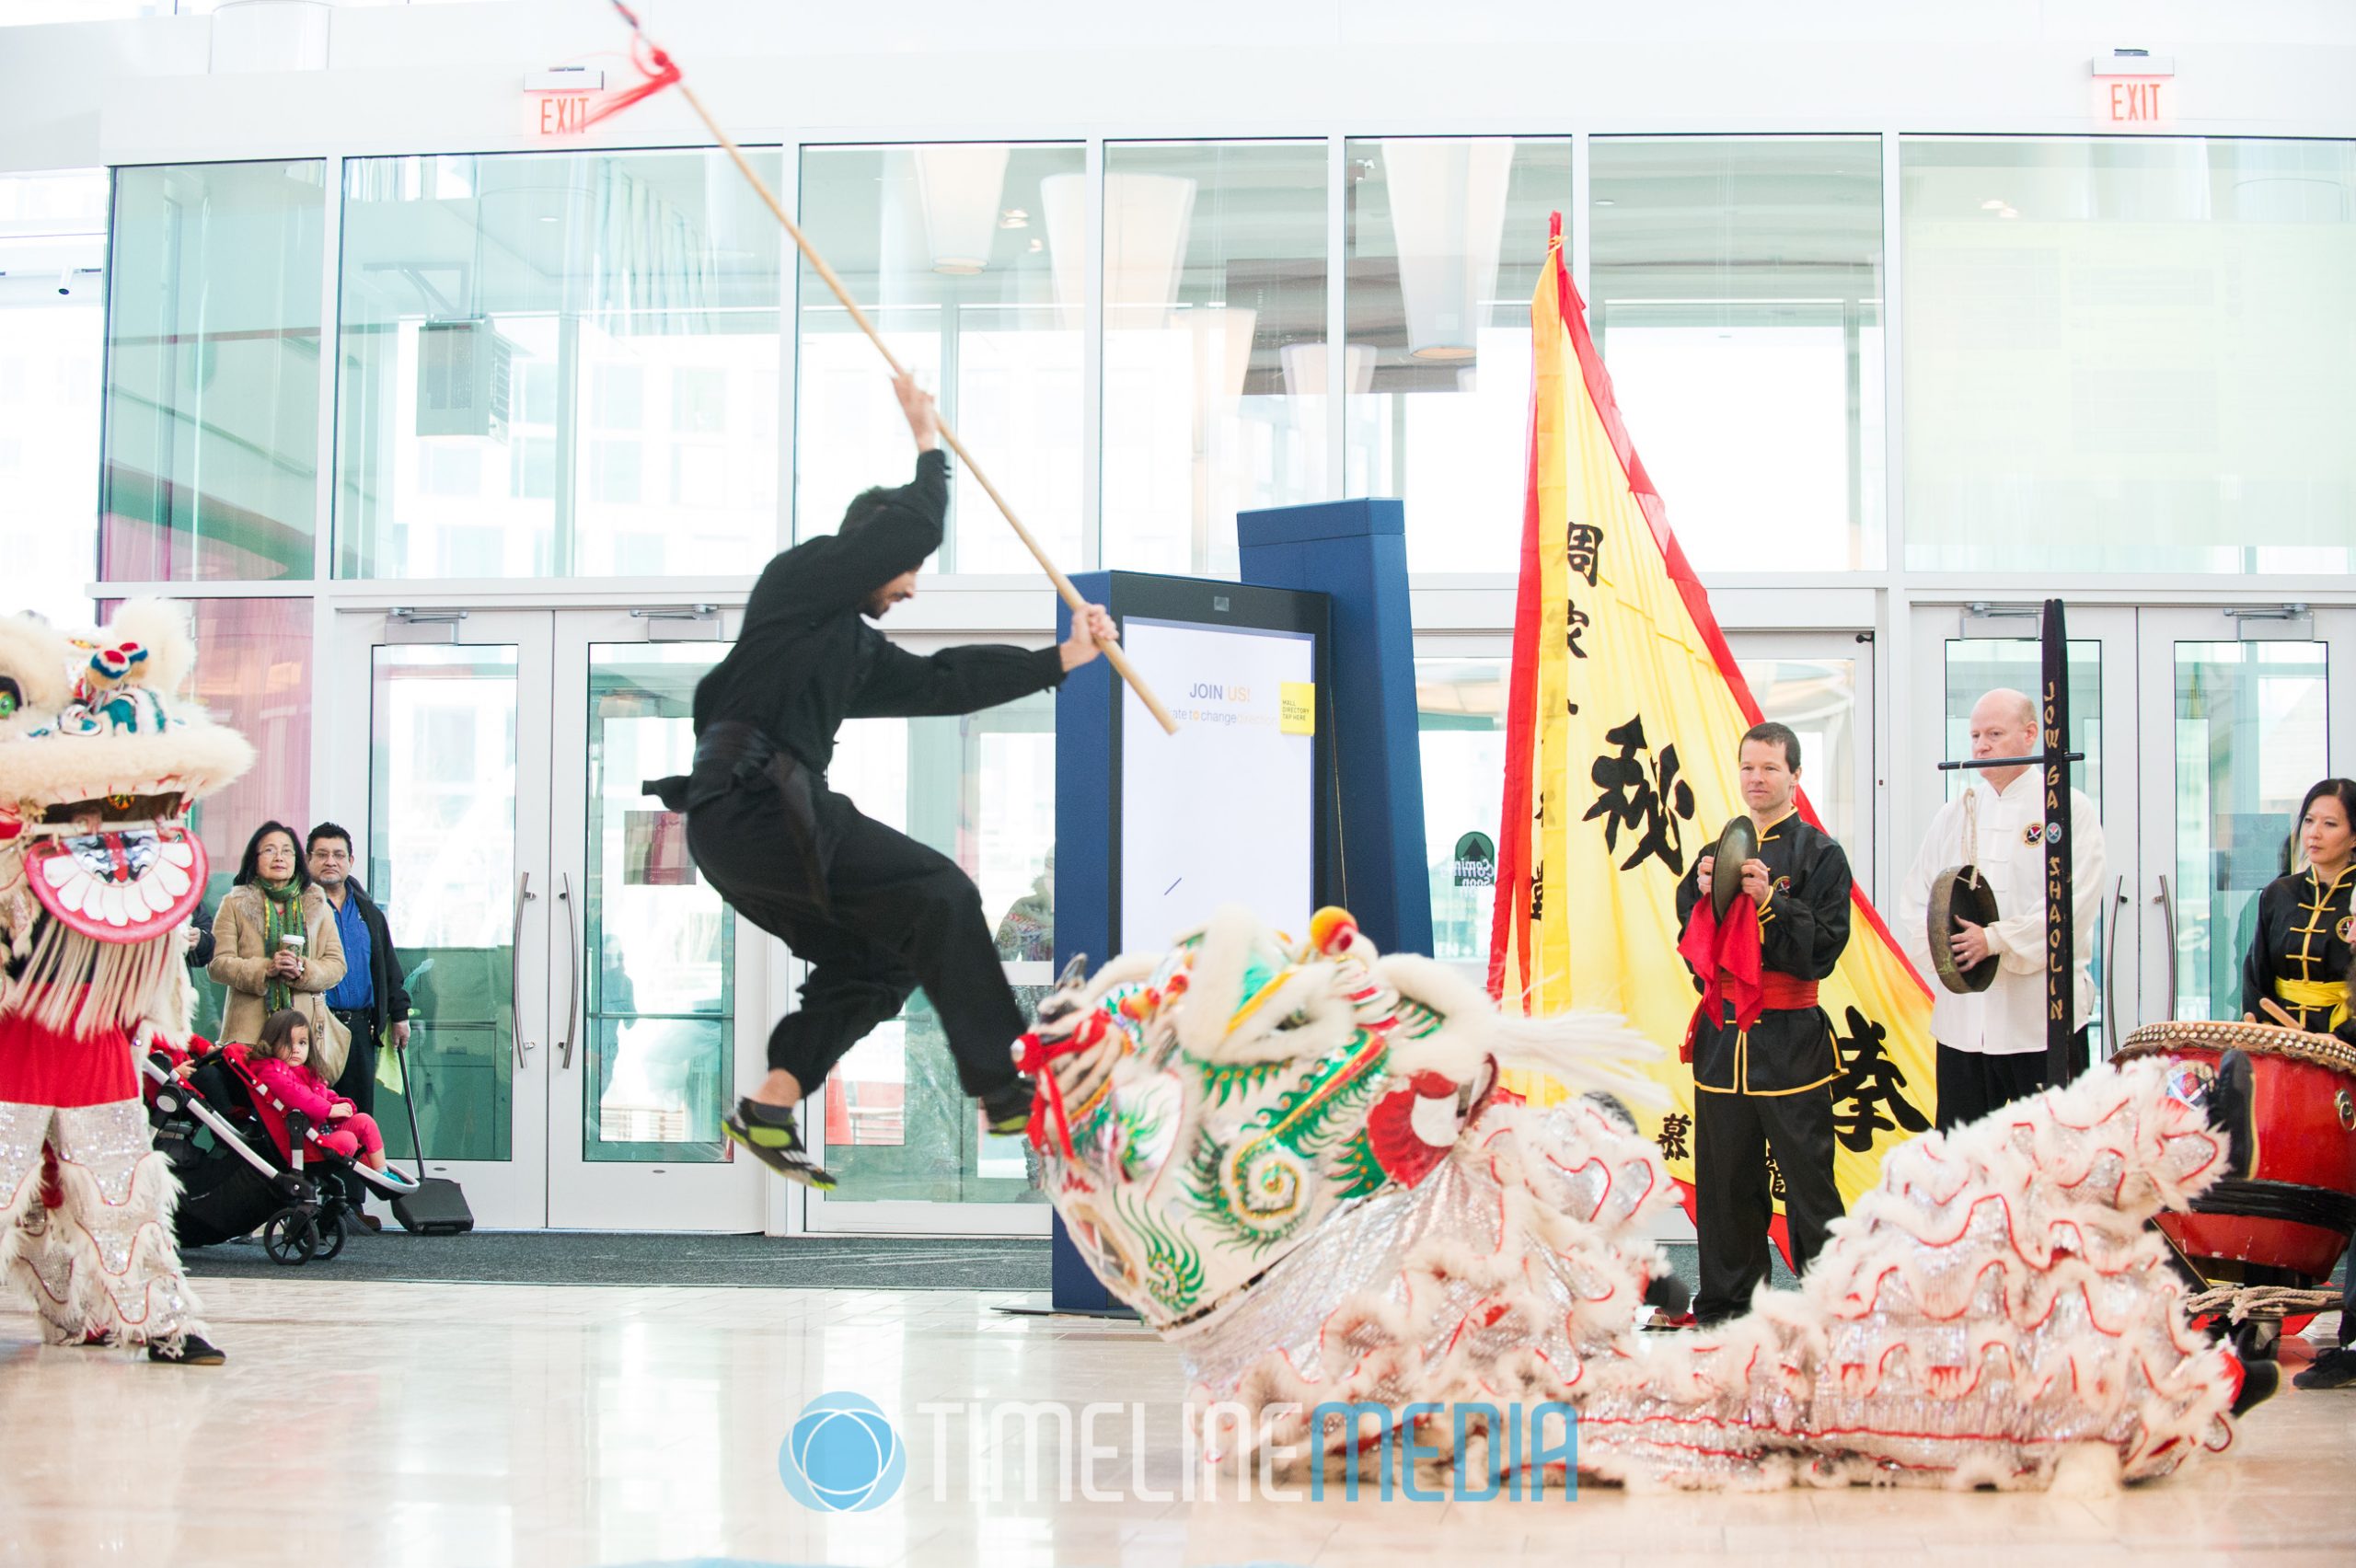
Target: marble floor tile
column 418, row 1425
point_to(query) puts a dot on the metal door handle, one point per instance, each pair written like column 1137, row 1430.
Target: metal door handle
column 572, row 972
column 524, row 894
column 2165, row 899
column 2111, row 1034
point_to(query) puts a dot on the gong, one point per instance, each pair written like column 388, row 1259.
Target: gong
column 1738, row 843
column 1958, row 894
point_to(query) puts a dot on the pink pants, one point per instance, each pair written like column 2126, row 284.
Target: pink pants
column 355, row 1134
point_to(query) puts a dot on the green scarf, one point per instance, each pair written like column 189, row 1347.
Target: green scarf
column 281, row 904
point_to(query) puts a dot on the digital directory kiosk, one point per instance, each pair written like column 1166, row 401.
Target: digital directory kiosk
column 1154, row 831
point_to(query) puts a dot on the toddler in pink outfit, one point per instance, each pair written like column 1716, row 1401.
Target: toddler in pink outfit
column 279, row 1062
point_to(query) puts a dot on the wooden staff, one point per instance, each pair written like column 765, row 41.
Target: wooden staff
column 1111, row 651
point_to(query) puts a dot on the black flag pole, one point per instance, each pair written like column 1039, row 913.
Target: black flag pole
column 2060, row 915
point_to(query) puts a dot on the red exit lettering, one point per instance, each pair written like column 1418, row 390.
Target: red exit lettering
column 562, row 113
column 2135, row 101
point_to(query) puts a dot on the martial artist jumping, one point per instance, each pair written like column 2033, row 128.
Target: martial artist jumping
column 873, row 913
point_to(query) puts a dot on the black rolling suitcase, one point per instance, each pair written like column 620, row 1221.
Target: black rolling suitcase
column 438, row 1207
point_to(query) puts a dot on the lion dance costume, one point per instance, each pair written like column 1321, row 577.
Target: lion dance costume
column 101, row 756
column 1295, row 1160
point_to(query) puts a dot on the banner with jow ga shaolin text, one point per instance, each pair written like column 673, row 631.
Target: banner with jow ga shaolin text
column 1625, row 714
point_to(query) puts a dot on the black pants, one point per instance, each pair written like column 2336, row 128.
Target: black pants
column 895, row 916
column 1733, row 1203
column 1973, row 1083
column 357, row 1083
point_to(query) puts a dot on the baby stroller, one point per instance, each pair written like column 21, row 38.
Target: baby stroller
column 245, row 1161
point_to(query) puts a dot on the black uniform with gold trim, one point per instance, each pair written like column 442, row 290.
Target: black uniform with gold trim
column 2298, row 957
column 1770, row 1088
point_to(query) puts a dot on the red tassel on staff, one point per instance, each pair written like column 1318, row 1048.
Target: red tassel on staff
column 656, row 71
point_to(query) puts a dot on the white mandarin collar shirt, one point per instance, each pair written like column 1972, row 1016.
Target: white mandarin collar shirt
column 2007, row 1018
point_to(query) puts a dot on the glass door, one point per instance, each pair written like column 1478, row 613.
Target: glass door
column 439, row 744
column 892, row 1122
column 654, row 1032
column 2246, row 710
column 1962, row 653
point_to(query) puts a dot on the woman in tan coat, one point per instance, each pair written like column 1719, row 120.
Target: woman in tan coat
column 264, row 972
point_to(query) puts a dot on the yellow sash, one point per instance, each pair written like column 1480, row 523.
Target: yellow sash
column 2303, row 994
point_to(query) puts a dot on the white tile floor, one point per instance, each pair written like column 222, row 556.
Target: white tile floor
column 452, row 1426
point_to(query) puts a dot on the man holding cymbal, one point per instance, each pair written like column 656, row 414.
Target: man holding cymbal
column 1762, row 1048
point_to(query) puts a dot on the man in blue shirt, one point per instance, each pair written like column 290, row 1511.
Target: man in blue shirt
column 370, row 1000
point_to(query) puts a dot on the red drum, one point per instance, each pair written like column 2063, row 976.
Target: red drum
column 2296, row 1208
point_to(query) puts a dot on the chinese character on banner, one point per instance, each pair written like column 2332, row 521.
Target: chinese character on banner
column 1869, row 1081
column 1625, row 710
column 1643, row 794
column 1585, row 548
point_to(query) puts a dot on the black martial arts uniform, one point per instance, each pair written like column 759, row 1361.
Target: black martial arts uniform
column 1769, row 1087
column 872, row 912
column 2302, row 939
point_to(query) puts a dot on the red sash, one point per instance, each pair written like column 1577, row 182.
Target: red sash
column 1727, row 954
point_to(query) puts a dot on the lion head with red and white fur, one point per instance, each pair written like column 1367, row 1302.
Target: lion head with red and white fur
column 103, row 752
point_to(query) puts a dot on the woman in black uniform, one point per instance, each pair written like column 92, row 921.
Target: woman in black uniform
column 2299, row 959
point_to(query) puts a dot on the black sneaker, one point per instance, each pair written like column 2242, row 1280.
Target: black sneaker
column 1006, row 1113
column 194, row 1350
column 768, row 1133
column 2332, row 1369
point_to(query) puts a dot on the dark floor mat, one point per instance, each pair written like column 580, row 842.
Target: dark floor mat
column 587, row 1257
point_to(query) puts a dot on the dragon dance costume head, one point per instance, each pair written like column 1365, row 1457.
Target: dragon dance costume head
column 1294, row 1160
column 102, row 754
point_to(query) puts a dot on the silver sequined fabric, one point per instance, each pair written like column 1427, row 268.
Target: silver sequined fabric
column 1995, row 1304
column 105, row 1260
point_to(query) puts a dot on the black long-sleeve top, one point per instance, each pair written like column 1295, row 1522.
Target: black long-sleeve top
column 2303, row 932
column 1801, row 933
column 807, row 659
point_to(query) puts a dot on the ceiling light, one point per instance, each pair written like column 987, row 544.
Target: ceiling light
column 1993, row 204
column 958, row 186
column 1147, row 217
column 1448, row 215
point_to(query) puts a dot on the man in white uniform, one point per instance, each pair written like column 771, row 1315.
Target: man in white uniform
column 1992, row 1043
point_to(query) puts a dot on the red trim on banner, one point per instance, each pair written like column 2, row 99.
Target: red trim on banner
column 1681, row 572
column 1509, row 921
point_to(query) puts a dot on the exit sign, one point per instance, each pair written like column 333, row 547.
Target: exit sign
column 557, row 100
column 2150, row 101
column 2134, row 88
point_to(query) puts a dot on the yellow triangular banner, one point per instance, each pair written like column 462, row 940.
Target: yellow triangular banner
column 1624, row 716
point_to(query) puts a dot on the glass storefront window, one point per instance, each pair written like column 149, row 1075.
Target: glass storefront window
column 441, row 831
column 1215, row 395
column 2250, row 728
column 557, row 364
column 52, row 347
column 1737, row 295
column 2130, row 355
column 980, row 789
column 1445, row 242
column 660, row 967
column 1460, row 720
column 953, row 252
column 211, row 440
